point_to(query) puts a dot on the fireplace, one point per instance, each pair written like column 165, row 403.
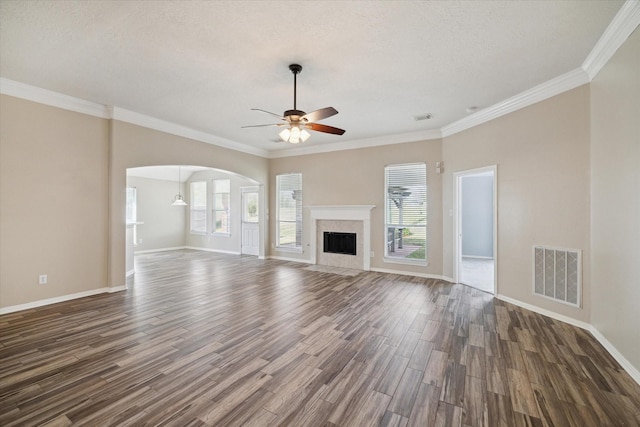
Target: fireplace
column 340, row 243
column 341, row 219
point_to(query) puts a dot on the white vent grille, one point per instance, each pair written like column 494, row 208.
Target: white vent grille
column 556, row 274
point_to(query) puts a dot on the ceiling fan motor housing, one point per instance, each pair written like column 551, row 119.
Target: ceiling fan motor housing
column 294, row 115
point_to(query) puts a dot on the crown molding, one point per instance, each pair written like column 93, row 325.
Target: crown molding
column 143, row 120
column 543, row 91
column 54, row 99
column 622, row 25
column 66, row 102
column 358, row 143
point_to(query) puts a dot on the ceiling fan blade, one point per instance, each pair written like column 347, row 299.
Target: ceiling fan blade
column 268, row 112
column 260, row 126
column 324, row 128
column 320, row 114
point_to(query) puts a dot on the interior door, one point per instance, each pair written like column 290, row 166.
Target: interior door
column 250, row 225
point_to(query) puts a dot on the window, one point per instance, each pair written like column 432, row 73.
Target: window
column 198, row 207
column 406, row 212
column 132, row 212
column 289, row 211
column 221, row 206
column 132, row 208
column 250, row 205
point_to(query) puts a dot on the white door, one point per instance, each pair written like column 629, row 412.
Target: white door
column 250, row 225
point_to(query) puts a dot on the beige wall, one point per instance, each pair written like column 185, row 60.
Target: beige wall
column 233, row 242
column 615, row 205
column 356, row 177
column 164, row 225
column 542, row 153
column 53, row 201
column 63, row 195
column 135, row 146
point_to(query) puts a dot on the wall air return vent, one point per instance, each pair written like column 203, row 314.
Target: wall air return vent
column 557, row 274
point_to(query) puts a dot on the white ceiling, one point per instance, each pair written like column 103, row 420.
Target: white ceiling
column 205, row 64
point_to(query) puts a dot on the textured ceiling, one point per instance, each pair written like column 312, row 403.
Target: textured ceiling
column 204, row 65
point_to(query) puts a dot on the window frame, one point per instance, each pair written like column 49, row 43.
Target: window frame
column 214, row 209
column 192, row 208
column 389, row 224
column 299, row 216
column 131, row 212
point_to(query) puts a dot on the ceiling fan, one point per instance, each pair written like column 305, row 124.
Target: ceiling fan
column 297, row 122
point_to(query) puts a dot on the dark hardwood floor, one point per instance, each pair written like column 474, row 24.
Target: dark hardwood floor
column 203, row 339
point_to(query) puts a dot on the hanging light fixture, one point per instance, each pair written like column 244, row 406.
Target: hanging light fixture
column 179, row 201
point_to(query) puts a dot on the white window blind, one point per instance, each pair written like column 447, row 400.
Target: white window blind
column 406, row 212
column 198, row 207
column 289, row 210
column 221, row 205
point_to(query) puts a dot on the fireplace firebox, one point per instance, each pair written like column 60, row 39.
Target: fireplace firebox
column 339, row 243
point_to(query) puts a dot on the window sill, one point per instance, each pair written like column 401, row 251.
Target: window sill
column 405, row 261
column 198, row 233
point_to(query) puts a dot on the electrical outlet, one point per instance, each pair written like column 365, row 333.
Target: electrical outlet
column 42, row 279
column 372, row 254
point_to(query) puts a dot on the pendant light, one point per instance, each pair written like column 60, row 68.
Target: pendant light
column 179, row 201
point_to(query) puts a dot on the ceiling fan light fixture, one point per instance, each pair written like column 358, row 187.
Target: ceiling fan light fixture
column 294, row 134
column 297, row 121
column 285, row 134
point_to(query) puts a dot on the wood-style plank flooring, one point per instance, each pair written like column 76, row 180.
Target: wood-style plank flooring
column 204, row 339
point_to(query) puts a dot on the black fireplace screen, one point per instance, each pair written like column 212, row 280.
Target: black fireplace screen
column 339, row 243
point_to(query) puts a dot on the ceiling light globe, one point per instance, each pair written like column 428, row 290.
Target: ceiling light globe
column 285, row 134
column 295, row 133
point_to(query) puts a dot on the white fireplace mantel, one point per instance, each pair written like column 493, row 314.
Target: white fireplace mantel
column 343, row 213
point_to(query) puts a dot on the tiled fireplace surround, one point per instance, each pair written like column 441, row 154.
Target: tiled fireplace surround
column 346, row 219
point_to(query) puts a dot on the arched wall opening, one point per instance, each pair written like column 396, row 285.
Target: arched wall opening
column 209, row 215
column 132, row 146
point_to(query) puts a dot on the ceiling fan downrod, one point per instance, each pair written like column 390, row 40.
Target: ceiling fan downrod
column 295, row 69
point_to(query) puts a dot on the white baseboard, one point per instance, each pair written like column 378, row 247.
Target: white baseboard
column 195, row 248
column 220, row 251
column 545, row 312
column 626, row 365
column 149, row 251
column 63, row 298
column 613, row 351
